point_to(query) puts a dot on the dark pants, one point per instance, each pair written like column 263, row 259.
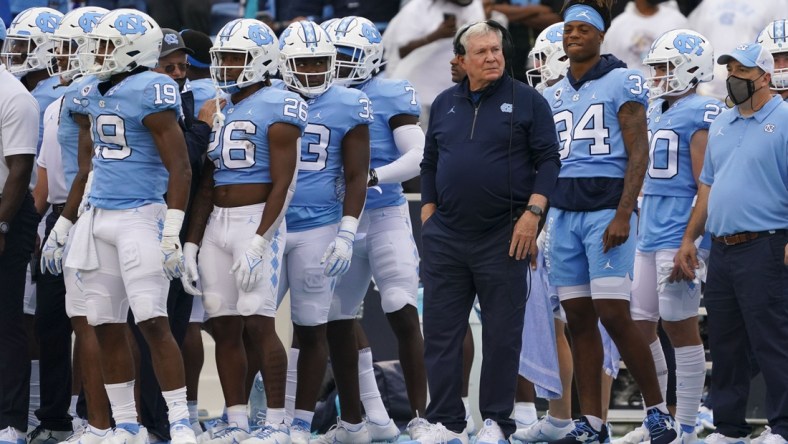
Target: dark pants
column 53, row 328
column 154, row 408
column 455, row 270
column 747, row 301
column 14, row 355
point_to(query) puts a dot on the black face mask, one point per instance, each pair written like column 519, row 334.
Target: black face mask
column 740, row 90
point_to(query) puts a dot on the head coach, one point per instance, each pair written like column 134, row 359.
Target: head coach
column 490, row 161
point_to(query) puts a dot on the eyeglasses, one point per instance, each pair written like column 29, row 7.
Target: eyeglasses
column 169, row 69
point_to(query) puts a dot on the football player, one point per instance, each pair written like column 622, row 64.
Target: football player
column 775, row 39
column 384, row 247
column 128, row 244
column 243, row 198
column 58, row 165
column 678, row 123
column 323, row 216
column 599, row 109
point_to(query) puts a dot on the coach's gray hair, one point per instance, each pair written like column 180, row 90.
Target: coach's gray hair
column 479, row 29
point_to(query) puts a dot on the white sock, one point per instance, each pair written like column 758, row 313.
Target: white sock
column 595, row 423
column 194, row 414
column 525, row 412
column 557, row 421
column 368, row 389
column 275, row 416
column 72, row 409
column 177, row 406
column 305, row 417
column 121, row 398
column 291, row 385
column 661, row 365
column 236, row 414
column 35, row 394
column 690, row 376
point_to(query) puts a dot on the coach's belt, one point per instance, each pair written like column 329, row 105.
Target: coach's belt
column 740, row 238
column 58, row 208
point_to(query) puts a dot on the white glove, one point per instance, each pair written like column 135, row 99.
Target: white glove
column 190, row 275
column 52, row 253
column 248, row 269
column 84, row 204
column 171, row 251
column 340, row 251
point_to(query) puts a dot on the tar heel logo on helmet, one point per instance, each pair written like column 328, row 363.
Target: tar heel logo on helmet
column 688, row 44
column 555, row 35
column 130, row 24
column 259, row 35
column 371, row 33
column 89, row 20
column 47, row 22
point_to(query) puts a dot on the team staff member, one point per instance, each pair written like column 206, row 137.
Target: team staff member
column 18, row 222
column 743, row 202
column 471, row 249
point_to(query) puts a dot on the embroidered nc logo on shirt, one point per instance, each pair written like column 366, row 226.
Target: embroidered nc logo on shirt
column 769, row 127
column 506, row 107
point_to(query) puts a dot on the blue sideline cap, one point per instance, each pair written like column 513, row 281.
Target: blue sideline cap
column 750, row 55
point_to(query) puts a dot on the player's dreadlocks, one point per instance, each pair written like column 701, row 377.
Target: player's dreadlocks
column 603, row 7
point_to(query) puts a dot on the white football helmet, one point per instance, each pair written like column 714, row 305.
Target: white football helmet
column 686, row 56
column 775, row 39
column 359, row 39
column 71, row 35
column 329, row 25
column 122, row 41
column 302, row 40
column 27, row 45
column 548, row 57
column 258, row 45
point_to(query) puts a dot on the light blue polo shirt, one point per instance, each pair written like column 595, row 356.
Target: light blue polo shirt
column 746, row 166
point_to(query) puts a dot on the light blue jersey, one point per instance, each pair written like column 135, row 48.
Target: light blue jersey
column 68, row 130
column 203, row 90
column 320, row 187
column 746, row 166
column 46, row 92
column 389, row 98
column 669, row 187
column 240, row 150
column 127, row 169
column 587, row 122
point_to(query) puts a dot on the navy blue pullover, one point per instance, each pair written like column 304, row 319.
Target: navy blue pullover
column 466, row 169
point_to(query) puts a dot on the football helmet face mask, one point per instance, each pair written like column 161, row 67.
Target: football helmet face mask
column 27, row 45
column 122, row 41
column 548, row 57
column 245, row 52
column 306, row 40
column 775, row 39
column 359, row 49
column 70, row 36
column 678, row 60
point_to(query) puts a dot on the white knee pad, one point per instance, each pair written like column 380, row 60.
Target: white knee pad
column 611, row 287
column 644, row 305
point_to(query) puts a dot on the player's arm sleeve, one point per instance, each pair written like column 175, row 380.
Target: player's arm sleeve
column 19, row 126
column 410, row 143
column 429, row 165
column 543, row 146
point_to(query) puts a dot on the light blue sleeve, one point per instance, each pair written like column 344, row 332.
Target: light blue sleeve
column 161, row 93
column 398, row 97
column 707, row 173
column 633, row 89
column 289, row 108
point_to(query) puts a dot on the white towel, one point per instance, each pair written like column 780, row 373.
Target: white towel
column 83, row 246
